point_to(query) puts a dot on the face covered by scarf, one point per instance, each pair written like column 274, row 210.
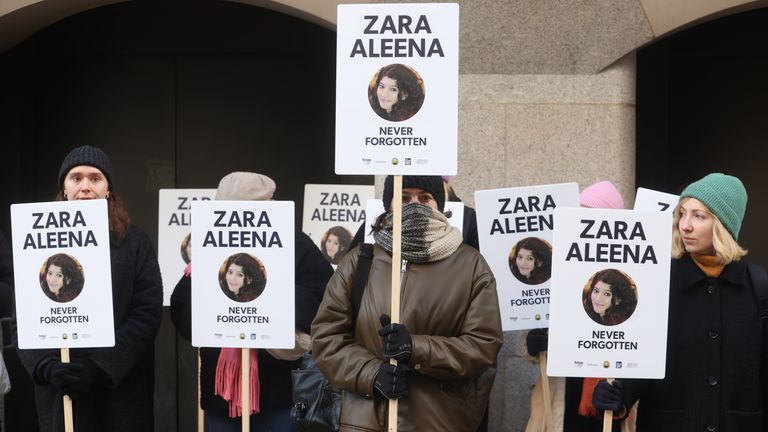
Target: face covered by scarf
column 426, row 234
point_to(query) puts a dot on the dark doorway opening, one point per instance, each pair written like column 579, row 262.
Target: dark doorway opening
column 702, row 105
column 178, row 93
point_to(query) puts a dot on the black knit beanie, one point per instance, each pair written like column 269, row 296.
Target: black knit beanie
column 431, row 184
column 87, row 155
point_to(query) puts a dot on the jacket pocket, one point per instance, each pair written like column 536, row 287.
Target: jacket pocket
column 743, row 421
column 683, row 420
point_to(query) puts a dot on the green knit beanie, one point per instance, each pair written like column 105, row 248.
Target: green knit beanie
column 725, row 197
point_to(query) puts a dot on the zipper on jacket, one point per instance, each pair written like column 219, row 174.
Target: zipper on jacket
column 403, row 270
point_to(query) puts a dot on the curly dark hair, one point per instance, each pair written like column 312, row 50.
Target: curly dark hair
column 542, row 255
column 623, row 298
column 344, row 237
column 410, row 96
column 184, row 243
column 73, row 277
column 255, row 277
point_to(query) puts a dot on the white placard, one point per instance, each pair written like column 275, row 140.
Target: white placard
column 174, row 226
column 243, row 278
column 397, row 88
column 610, row 293
column 62, row 274
column 651, row 200
column 375, row 207
column 332, row 215
column 515, row 230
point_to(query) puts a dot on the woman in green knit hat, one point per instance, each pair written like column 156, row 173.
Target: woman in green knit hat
column 717, row 344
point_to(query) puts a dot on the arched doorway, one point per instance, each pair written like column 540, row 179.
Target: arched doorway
column 178, row 93
column 702, row 101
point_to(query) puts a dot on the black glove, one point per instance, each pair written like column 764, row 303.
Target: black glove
column 391, row 381
column 76, row 378
column 396, row 339
column 608, row 397
column 537, row 341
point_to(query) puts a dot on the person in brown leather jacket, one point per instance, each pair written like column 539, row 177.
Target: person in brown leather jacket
column 450, row 330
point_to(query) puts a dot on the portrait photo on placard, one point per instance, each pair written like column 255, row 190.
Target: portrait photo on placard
column 62, row 278
column 610, row 297
column 186, row 248
column 242, row 277
column 396, row 92
column 335, row 243
column 530, row 260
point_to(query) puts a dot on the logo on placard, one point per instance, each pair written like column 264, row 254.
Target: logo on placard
column 538, row 317
column 242, row 335
column 618, row 365
column 606, row 364
column 631, row 365
column 422, row 161
column 367, row 161
column 395, row 161
column 41, row 336
column 253, row 336
column 64, row 336
column 547, row 316
column 578, row 363
column 407, row 161
column 514, row 319
column 74, row 335
column 218, row 335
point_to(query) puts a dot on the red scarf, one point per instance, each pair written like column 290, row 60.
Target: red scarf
column 586, row 409
column 228, row 378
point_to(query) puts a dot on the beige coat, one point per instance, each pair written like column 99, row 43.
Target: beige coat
column 451, row 309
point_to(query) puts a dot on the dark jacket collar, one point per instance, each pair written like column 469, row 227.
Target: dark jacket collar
column 688, row 274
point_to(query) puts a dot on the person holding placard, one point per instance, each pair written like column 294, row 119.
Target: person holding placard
column 111, row 388
column 450, row 330
column 717, row 340
column 572, row 409
column 270, row 368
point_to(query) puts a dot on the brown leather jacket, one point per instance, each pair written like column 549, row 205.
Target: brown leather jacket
column 450, row 308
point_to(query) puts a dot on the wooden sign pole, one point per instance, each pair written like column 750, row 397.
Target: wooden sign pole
column 245, row 388
column 394, row 312
column 200, row 412
column 69, row 425
column 548, row 421
column 608, row 416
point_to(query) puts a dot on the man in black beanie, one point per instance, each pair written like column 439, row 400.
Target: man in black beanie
column 112, row 388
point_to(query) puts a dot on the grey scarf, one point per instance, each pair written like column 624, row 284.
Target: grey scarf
column 426, row 234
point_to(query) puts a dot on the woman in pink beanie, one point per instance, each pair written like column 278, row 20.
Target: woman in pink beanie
column 572, row 409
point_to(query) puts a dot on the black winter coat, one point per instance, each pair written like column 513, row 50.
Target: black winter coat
column 123, row 401
column 717, row 356
column 312, row 274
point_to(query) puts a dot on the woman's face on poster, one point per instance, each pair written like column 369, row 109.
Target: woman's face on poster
column 387, row 93
column 601, row 297
column 525, row 262
column 55, row 279
column 332, row 245
column 235, row 278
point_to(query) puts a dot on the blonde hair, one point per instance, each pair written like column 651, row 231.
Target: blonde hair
column 727, row 249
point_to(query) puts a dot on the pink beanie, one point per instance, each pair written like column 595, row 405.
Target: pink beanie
column 601, row 195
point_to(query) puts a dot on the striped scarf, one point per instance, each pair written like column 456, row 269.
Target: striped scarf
column 426, row 234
